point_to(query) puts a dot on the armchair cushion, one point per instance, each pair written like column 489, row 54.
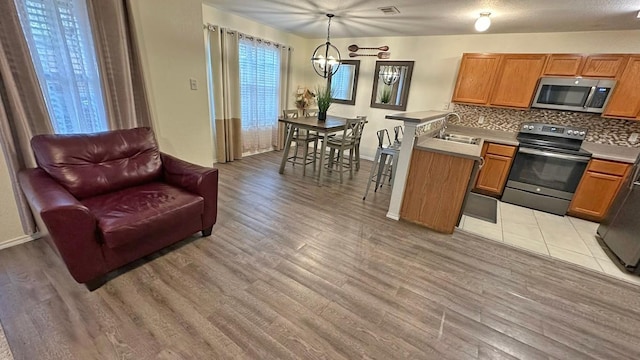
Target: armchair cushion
column 92, row 164
column 132, row 214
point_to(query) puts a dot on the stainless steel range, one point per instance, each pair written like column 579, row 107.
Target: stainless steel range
column 547, row 168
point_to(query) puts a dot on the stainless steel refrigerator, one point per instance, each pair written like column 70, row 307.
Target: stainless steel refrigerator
column 620, row 231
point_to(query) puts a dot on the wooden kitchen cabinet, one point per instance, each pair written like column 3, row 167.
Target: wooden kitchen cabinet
column 436, row 187
column 597, row 189
column 625, row 100
column 475, row 78
column 497, row 164
column 517, row 79
column 563, row 65
column 604, row 65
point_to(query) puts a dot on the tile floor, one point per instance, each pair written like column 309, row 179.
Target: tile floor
column 562, row 237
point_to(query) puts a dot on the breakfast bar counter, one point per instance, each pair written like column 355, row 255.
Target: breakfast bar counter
column 412, row 120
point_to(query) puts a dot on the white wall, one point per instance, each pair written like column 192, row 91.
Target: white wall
column 437, row 59
column 170, row 34
column 10, row 226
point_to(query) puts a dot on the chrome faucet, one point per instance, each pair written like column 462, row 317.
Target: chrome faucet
column 443, row 129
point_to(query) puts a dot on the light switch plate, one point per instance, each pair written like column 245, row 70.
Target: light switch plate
column 193, row 83
column 481, row 119
column 633, row 138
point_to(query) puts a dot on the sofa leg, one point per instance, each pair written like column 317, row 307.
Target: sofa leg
column 207, row 231
column 95, row 283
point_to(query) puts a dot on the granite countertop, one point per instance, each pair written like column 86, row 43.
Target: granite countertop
column 599, row 151
column 470, row 151
column 494, row 136
column 418, row 116
column 612, row 152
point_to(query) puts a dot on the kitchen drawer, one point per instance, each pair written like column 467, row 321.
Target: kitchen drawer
column 608, row 167
column 502, row 150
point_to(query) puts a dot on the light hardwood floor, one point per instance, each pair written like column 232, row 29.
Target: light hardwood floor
column 297, row 271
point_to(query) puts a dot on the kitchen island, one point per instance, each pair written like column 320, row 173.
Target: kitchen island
column 412, row 121
column 441, row 175
column 434, row 175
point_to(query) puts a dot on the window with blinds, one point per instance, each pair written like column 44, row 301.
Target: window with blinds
column 61, row 46
column 341, row 83
column 259, row 88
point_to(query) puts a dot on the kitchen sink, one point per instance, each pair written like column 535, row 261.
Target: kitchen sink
column 463, row 139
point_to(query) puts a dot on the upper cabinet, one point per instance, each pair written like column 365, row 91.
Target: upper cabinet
column 498, row 79
column 625, row 100
column 604, row 66
column 475, row 78
column 510, row 80
column 563, row 65
column 517, row 79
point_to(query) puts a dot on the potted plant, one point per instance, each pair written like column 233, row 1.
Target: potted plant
column 323, row 99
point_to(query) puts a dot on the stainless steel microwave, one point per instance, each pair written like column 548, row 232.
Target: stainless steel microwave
column 573, row 94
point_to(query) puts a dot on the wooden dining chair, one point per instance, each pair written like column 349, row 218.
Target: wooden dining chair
column 311, row 112
column 356, row 158
column 302, row 138
column 339, row 145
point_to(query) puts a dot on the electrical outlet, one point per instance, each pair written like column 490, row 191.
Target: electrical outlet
column 481, row 119
column 633, row 138
column 193, row 83
column 445, row 106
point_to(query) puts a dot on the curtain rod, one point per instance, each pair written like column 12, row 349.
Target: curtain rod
column 213, row 28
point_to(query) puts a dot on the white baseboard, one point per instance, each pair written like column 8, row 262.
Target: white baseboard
column 19, row 240
column 393, row 216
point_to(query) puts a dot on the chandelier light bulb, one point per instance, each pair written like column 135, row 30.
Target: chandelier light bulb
column 483, row 22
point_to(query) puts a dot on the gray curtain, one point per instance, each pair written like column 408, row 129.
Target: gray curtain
column 23, row 112
column 225, row 75
column 119, row 63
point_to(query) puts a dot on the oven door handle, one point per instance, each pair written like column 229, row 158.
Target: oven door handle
column 553, row 155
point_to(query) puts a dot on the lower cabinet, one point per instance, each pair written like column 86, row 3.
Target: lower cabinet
column 436, row 187
column 597, row 189
column 495, row 170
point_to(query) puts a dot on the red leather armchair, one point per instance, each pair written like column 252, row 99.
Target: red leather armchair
column 110, row 198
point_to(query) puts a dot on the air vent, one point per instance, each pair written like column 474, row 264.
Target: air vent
column 389, row 10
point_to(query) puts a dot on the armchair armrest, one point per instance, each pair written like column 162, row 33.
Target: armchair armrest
column 197, row 179
column 72, row 227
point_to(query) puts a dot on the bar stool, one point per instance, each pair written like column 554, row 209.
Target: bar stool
column 384, row 162
column 397, row 131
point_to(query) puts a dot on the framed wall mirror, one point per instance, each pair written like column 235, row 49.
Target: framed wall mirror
column 391, row 82
column 344, row 82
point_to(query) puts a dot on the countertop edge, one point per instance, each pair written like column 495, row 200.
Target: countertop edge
column 472, row 152
column 417, row 117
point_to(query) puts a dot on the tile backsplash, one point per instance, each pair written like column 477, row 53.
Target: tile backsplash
column 600, row 130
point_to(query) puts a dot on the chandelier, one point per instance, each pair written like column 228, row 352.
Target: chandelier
column 326, row 57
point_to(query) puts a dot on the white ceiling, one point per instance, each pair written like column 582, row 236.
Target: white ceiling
column 361, row 18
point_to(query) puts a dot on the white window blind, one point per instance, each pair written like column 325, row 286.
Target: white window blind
column 341, row 83
column 61, row 46
column 259, row 88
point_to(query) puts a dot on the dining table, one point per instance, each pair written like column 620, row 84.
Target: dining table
column 326, row 127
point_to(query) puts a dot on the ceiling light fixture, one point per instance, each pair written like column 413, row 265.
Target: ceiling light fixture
column 326, row 57
column 483, row 22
